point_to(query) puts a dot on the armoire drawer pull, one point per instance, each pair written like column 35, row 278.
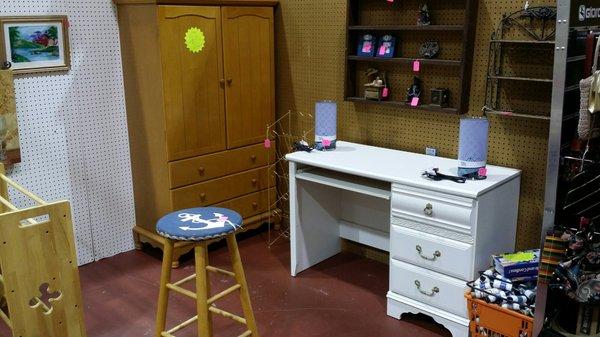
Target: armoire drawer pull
column 435, row 256
column 229, row 81
column 253, row 158
column 202, row 196
column 254, row 181
column 201, row 171
column 254, row 205
column 428, row 210
column 434, row 291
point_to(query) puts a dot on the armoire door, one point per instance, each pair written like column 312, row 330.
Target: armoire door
column 248, row 39
column 193, row 82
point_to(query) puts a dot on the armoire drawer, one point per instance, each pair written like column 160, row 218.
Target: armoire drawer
column 221, row 189
column 428, row 287
column 251, row 204
column 432, row 207
column 432, row 252
column 194, row 170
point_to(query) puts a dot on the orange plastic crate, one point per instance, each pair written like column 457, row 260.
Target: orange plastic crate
column 491, row 320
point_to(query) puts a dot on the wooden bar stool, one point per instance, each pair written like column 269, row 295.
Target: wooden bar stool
column 202, row 225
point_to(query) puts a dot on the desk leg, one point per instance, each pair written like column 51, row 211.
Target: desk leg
column 314, row 223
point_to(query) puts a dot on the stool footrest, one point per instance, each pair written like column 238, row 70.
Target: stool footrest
column 185, row 280
column 179, row 327
column 223, row 294
column 182, row 291
column 220, row 271
column 246, row 334
column 224, row 313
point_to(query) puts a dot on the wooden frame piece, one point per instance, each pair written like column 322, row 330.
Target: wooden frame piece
column 40, row 65
column 40, row 282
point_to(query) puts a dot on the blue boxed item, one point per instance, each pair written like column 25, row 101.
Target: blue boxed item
column 387, row 46
column 367, row 45
column 517, row 265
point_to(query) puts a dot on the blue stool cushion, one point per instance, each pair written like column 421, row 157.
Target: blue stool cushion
column 197, row 224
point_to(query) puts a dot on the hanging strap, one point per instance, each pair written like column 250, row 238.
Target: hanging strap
column 596, row 52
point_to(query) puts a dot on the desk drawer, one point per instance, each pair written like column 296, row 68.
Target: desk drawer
column 251, row 204
column 428, row 287
column 194, row 170
column 432, row 207
column 432, row 252
column 221, row 189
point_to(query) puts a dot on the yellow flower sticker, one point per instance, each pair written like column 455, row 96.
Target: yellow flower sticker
column 194, row 40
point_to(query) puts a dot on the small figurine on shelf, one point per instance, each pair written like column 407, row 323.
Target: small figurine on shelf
column 430, row 49
column 377, row 89
column 414, row 92
column 424, row 16
column 440, row 97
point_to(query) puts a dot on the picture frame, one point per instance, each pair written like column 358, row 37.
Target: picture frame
column 34, row 44
column 386, row 47
column 367, row 45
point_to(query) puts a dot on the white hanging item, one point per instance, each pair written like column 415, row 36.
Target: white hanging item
column 590, row 100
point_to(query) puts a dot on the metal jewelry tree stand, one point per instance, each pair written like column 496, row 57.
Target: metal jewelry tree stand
column 283, row 135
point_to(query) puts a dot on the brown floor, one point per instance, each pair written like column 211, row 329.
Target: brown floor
column 343, row 296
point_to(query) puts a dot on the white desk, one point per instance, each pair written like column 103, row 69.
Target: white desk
column 438, row 233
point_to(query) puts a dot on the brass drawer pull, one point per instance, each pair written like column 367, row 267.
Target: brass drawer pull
column 201, row 171
column 253, row 158
column 202, row 196
column 254, row 205
column 428, row 210
column 436, row 254
column 434, row 291
column 254, row 181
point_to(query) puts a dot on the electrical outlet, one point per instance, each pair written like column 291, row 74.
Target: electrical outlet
column 431, row 151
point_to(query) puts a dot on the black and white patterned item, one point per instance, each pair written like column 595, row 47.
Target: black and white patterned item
column 494, row 288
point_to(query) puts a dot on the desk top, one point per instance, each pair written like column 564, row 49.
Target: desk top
column 401, row 167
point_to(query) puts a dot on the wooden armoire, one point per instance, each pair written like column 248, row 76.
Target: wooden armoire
column 199, row 83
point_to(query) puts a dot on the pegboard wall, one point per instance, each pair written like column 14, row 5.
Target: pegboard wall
column 310, row 66
column 73, row 128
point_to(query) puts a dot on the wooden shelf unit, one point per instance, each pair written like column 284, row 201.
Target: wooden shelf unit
column 370, row 16
column 458, row 28
column 406, row 60
column 426, row 107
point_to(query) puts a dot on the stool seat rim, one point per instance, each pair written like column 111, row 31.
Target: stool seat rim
column 199, row 223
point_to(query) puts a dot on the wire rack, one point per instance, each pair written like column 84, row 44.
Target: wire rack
column 288, row 129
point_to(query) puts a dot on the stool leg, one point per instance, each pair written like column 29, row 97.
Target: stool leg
column 240, row 278
column 163, row 295
column 201, row 290
column 207, row 273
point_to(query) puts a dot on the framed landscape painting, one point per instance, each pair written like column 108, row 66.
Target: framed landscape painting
column 35, row 44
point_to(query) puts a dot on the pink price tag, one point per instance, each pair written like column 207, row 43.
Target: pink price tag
column 326, row 142
column 390, row 1
column 267, row 143
column 417, row 66
column 482, row 172
column 415, row 101
column 382, row 50
column 385, row 92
